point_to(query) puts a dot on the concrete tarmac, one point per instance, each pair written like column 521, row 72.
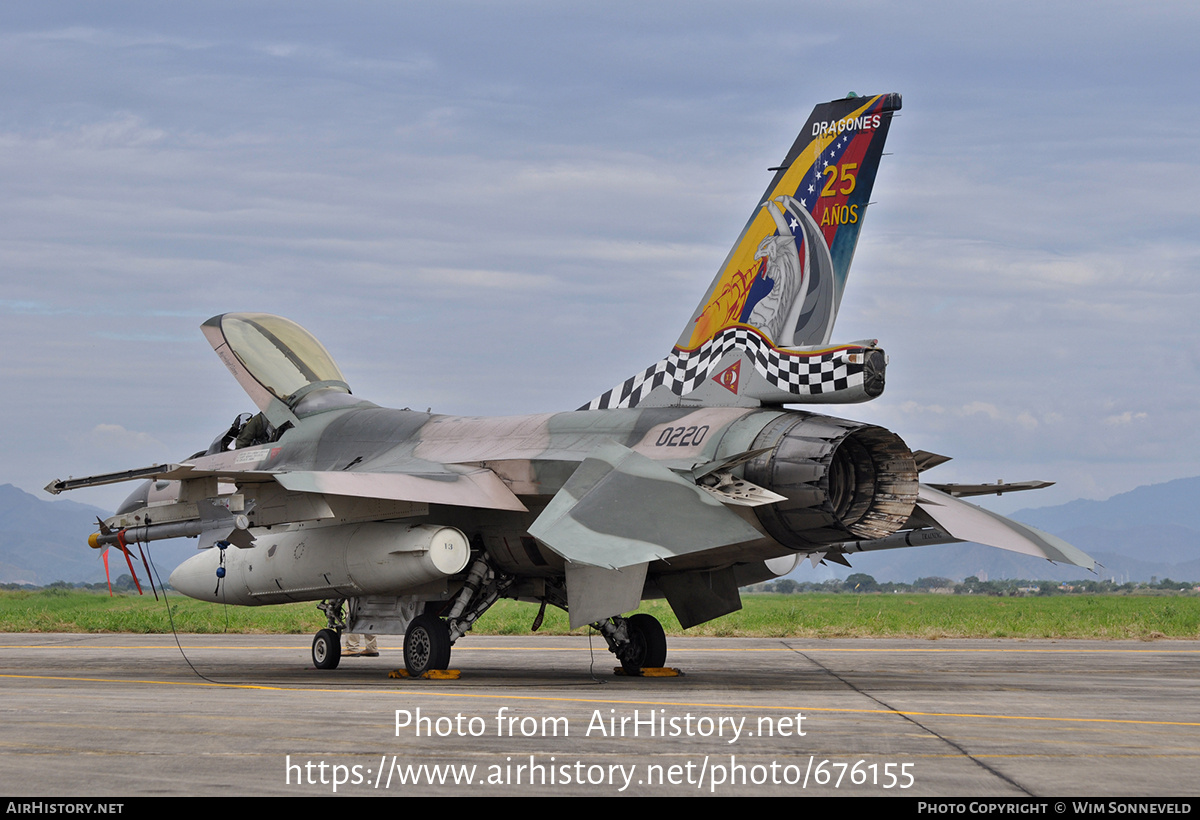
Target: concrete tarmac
column 125, row 715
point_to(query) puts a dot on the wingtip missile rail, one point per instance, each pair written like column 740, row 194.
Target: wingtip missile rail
column 156, row 471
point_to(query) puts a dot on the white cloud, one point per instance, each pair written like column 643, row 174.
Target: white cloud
column 1128, row 417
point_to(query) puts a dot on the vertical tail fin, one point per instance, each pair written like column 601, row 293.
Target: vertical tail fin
column 786, row 273
column 775, row 298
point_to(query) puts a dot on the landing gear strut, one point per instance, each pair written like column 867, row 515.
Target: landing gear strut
column 427, row 637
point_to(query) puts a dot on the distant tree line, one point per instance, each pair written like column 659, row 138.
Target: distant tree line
column 971, row 585
column 857, row 582
column 122, row 583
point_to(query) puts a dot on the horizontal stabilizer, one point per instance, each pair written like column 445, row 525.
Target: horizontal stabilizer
column 970, row 523
column 458, row 487
column 999, row 488
column 620, row 508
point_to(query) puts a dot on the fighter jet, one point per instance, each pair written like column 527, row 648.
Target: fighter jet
column 688, row 480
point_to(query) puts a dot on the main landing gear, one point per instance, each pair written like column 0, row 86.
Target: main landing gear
column 428, row 639
column 428, row 636
column 426, row 645
column 638, row 641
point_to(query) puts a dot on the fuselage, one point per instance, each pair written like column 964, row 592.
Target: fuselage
column 361, row 448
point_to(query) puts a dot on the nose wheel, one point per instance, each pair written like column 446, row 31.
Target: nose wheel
column 327, row 649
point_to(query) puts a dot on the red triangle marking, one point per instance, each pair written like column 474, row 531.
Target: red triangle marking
column 730, row 377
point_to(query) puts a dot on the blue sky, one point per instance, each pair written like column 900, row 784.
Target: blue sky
column 499, row 208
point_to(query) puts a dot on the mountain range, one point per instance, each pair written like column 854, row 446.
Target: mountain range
column 42, row 541
column 1139, row 535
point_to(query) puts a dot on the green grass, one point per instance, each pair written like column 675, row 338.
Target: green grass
column 810, row 616
column 62, row 611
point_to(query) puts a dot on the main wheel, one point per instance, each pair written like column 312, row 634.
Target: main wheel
column 327, row 649
column 647, row 647
column 426, row 645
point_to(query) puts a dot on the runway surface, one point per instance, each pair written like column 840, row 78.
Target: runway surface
column 124, row 715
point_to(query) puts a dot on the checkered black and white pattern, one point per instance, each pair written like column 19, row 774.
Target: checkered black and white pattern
column 685, row 370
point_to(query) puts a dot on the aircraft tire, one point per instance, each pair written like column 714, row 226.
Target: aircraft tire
column 647, row 644
column 327, row 649
column 426, row 645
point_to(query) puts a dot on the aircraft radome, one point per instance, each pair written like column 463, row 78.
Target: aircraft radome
column 687, row 481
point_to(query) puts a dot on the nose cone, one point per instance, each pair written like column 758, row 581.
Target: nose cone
column 197, row 576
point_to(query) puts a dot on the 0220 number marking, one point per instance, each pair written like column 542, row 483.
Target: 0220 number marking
column 682, row 436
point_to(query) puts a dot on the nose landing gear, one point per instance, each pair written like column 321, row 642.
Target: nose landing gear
column 327, row 649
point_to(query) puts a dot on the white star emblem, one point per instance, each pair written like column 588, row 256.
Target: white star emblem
column 794, row 224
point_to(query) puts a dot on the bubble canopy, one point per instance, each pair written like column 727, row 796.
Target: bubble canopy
column 281, row 359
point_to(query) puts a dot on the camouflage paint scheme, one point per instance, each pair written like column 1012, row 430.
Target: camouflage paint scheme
column 687, row 481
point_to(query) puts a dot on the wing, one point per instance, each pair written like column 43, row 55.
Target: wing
column 190, row 501
column 454, row 486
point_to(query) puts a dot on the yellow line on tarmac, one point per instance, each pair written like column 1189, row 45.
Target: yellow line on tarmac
column 674, row 648
column 149, row 682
